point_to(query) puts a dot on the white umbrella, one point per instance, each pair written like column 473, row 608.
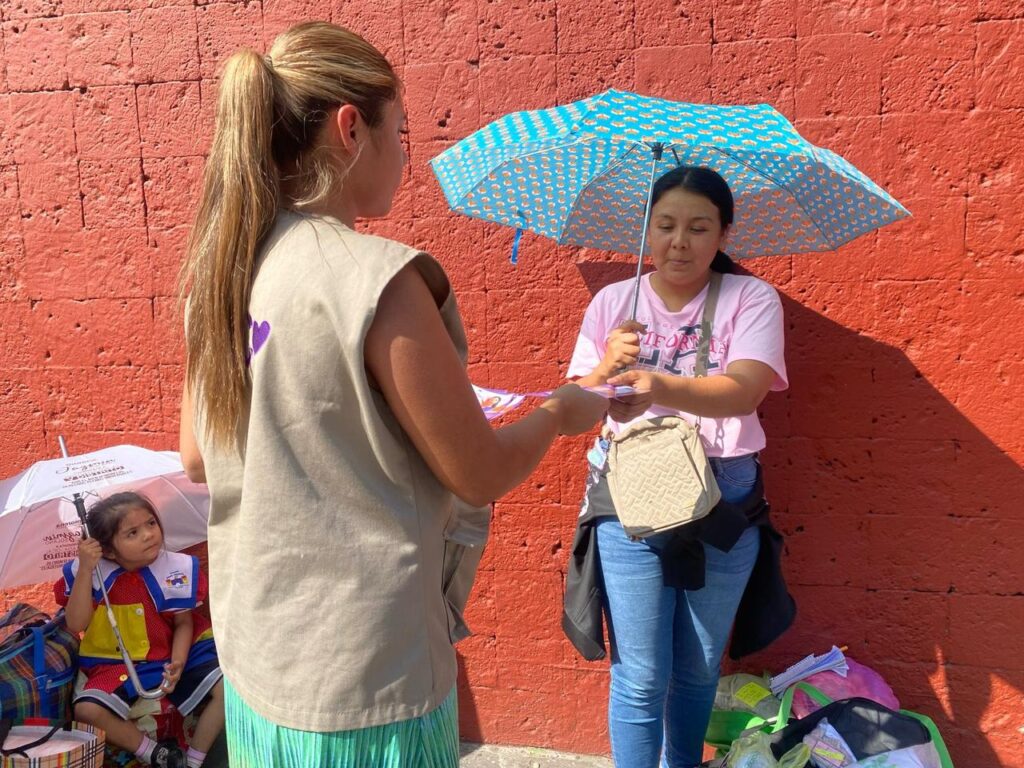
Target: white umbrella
column 40, row 529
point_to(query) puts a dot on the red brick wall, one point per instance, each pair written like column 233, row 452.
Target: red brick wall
column 894, row 460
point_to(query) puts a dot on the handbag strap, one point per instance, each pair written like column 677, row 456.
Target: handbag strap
column 698, row 473
column 706, row 322
column 18, row 623
column 22, row 751
column 787, row 702
column 940, row 746
column 38, row 651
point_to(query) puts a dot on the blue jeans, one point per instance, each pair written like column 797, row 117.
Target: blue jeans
column 667, row 643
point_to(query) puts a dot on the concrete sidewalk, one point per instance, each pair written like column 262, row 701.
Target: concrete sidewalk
column 491, row 756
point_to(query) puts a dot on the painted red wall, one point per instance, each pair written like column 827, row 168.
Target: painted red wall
column 894, row 460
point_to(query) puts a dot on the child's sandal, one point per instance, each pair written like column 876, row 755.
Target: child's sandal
column 167, row 754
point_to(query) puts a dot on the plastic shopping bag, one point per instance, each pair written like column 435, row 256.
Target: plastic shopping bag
column 920, row 756
column 860, row 680
column 754, row 751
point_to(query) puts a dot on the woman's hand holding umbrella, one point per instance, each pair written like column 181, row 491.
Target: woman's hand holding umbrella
column 622, row 348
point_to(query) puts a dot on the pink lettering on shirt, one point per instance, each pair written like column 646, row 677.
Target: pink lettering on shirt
column 748, row 325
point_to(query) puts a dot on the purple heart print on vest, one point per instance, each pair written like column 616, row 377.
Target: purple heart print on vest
column 260, row 332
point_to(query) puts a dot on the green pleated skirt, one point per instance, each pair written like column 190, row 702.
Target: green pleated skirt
column 430, row 741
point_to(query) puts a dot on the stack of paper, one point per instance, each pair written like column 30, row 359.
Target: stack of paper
column 834, row 660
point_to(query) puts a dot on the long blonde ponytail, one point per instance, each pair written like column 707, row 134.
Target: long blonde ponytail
column 265, row 155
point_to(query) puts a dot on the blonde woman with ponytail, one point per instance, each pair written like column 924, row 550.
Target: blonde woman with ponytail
column 327, row 406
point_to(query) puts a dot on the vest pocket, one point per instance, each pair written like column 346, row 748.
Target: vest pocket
column 465, row 536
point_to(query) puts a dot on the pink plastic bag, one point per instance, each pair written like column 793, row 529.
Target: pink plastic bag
column 859, row 681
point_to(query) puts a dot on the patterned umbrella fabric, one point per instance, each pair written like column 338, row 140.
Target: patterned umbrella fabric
column 40, row 529
column 581, row 173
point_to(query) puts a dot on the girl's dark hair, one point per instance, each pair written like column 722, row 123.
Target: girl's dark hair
column 706, row 183
column 105, row 516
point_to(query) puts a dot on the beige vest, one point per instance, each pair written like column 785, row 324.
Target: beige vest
column 328, row 532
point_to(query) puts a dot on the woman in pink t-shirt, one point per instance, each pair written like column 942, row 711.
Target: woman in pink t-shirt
column 668, row 635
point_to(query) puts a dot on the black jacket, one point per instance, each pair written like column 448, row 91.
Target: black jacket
column 766, row 609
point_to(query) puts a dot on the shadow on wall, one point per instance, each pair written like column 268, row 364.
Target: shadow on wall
column 904, row 532
column 469, row 718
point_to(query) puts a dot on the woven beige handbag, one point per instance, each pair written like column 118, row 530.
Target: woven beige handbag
column 659, row 477
column 658, row 474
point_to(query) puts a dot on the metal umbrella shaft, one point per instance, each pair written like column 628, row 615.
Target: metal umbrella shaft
column 657, row 148
column 133, row 675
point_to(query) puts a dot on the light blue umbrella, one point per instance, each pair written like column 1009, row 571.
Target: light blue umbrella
column 581, row 174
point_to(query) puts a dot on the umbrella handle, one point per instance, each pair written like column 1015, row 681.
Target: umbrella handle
column 133, row 675
column 657, row 148
column 79, row 503
column 76, row 499
column 157, row 692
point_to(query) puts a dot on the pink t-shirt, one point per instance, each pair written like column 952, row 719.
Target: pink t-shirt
column 747, row 326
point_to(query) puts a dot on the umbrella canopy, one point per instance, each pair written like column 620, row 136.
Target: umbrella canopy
column 40, row 529
column 581, row 174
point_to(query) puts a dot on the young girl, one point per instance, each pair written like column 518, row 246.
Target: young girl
column 152, row 593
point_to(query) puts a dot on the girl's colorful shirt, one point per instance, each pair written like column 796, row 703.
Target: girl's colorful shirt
column 144, row 603
column 748, row 325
